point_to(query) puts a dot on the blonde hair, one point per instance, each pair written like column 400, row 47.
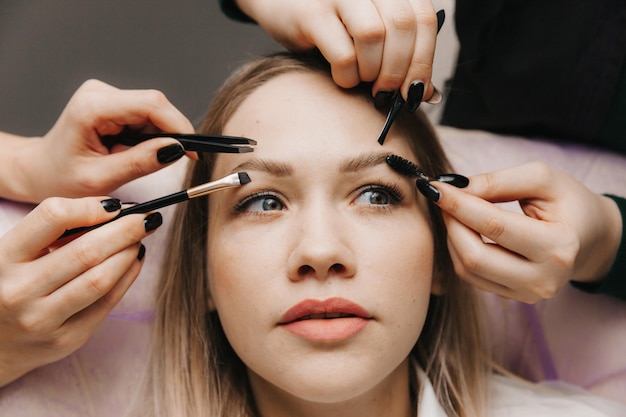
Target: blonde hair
column 193, row 369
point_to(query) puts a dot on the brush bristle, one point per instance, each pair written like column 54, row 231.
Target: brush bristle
column 244, row 178
column 403, row 166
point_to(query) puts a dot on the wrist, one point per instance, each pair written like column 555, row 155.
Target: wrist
column 604, row 251
column 16, row 165
column 613, row 283
column 9, row 372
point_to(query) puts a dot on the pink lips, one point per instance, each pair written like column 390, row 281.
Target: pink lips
column 330, row 320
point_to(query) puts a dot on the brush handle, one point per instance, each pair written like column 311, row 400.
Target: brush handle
column 156, row 204
column 138, row 208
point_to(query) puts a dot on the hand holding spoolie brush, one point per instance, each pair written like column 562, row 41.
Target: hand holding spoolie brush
column 565, row 233
column 524, row 256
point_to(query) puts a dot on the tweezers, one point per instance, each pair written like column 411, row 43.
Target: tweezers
column 191, row 142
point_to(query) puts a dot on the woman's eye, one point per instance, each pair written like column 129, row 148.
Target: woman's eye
column 260, row 203
column 378, row 196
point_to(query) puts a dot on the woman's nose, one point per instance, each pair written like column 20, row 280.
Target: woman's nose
column 322, row 247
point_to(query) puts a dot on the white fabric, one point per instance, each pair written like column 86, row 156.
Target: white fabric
column 512, row 398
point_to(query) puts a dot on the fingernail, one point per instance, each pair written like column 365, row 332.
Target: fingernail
column 436, row 97
column 170, row 153
column 110, row 205
column 152, row 221
column 459, row 181
column 415, row 95
column 382, row 100
column 142, row 252
column 428, row 190
column 441, row 17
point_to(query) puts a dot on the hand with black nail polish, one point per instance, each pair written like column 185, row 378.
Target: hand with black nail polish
column 563, row 233
column 71, row 161
column 337, row 36
column 57, row 286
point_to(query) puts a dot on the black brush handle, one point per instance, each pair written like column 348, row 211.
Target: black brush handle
column 139, row 208
column 156, row 204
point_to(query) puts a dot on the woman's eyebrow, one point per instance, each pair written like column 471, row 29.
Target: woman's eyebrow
column 363, row 161
column 283, row 169
column 276, row 168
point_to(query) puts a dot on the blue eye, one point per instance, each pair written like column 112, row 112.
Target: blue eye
column 261, row 202
column 375, row 197
column 379, row 196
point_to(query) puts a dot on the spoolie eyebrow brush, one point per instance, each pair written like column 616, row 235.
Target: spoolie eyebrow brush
column 409, row 169
column 233, row 180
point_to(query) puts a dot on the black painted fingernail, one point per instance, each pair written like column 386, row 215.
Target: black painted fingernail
column 142, row 252
column 428, row 190
column 441, row 17
column 459, row 181
column 152, row 221
column 110, row 205
column 170, row 153
column 382, row 100
column 415, row 95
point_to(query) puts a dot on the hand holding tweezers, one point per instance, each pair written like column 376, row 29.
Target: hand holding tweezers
column 191, row 142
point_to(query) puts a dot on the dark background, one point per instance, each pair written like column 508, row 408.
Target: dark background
column 184, row 48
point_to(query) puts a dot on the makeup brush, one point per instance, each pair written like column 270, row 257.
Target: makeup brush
column 233, row 180
column 409, row 169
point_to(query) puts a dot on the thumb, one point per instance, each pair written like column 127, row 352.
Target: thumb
column 127, row 164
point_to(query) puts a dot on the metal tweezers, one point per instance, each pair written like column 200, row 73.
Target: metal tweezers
column 191, row 142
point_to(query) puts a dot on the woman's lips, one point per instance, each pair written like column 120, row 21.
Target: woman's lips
column 330, row 320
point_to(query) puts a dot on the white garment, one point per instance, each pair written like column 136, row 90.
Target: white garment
column 513, row 398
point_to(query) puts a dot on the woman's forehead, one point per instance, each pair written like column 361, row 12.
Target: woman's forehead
column 303, row 101
column 305, row 116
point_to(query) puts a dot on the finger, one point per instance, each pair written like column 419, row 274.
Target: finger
column 112, row 171
column 329, row 34
column 513, row 231
column 532, row 180
column 95, row 283
column 106, row 110
column 45, row 223
column 367, row 30
column 95, row 247
column 79, row 327
column 421, row 61
column 491, row 267
column 400, row 33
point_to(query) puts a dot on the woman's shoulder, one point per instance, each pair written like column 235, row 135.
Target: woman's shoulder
column 512, row 397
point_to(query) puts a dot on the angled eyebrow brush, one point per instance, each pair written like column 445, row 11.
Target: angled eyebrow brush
column 233, row 180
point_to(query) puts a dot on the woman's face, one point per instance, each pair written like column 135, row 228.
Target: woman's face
column 321, row 267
